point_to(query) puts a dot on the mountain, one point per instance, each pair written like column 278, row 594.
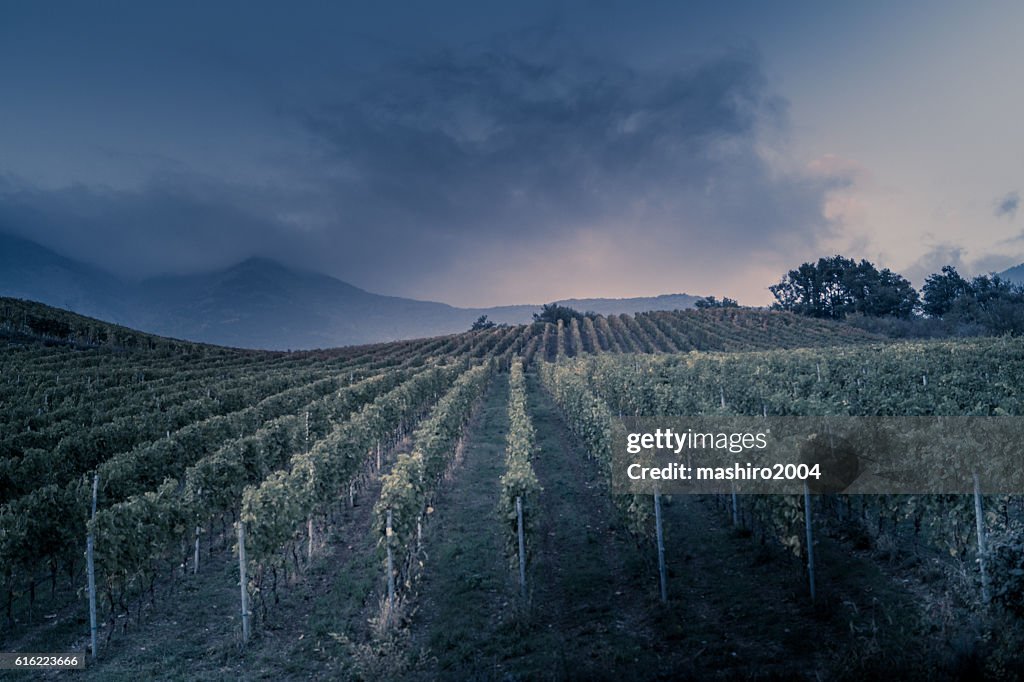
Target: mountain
column 261, row 303
column 618, row 306
column 30, row 271
column 1014, row 274
column 258, row 303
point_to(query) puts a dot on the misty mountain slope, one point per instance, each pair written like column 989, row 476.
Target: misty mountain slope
column 1014, row 274
column 259, row 303
column 30, row 271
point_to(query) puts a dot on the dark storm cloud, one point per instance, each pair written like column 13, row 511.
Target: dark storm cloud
column 176, row 224
column 472, row 155
column 499, row 142
column 1007, row 205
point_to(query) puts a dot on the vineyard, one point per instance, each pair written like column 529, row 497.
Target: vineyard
column 442, row 507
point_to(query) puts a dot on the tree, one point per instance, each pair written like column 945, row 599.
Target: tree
column 881, row 293
column 552, row 312
column 712, row 302
column 817, row 289
column 995, row 303
column 482, row 323
column 836, row 287
column 941, row 291
column 988, row 303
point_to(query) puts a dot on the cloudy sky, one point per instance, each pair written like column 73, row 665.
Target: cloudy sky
column 489, row 153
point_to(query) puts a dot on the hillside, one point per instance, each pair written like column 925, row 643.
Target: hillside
column 344, row 471
column 714, row 329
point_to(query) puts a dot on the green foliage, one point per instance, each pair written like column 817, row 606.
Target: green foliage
column 519, row 479
column 963, row 378
column 552, row 312
column 942, row 290
column 133, row 535
column 836, row 287
column 990, row 303
column 37, row 319
column 211, row 486
column 407, row 487
column 49, row 327
column 590, row 421
column 1006, row 568
column 712, row 302
column 482, row 323
column 183, row 435
column 155, row 523
column 275, row 508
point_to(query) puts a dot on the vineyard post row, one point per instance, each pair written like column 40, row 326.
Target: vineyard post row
column 310, row 485
column 33, row 524
column 41, row 525
column 83, row 449
column 519, row 485
column 649, row 332
column 590, row 419
column 592, row 423
column 407, row 490
column 880, row 380
column 134, row 536
column 88, row 446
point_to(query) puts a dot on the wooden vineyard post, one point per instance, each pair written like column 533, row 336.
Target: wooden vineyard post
column 979, row 518
column 90, row 544
column 810, row 539
column 390, row 568
column 309, row 532
column 735, row 507
column 662, row 575
column 195, row 557
column 522, row 546
column 243, row 581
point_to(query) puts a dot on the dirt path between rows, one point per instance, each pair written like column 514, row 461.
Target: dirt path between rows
column 465, row 596
column 735, row 611
column 586, row 613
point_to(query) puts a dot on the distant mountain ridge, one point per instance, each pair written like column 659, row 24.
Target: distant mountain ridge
column 1014, row 274
column 259, row 303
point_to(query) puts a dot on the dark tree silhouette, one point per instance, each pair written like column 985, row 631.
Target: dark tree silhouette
column 942, row 290
column 482, row 323
column 836, row 287
column 552, row 312
column 712, row 302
